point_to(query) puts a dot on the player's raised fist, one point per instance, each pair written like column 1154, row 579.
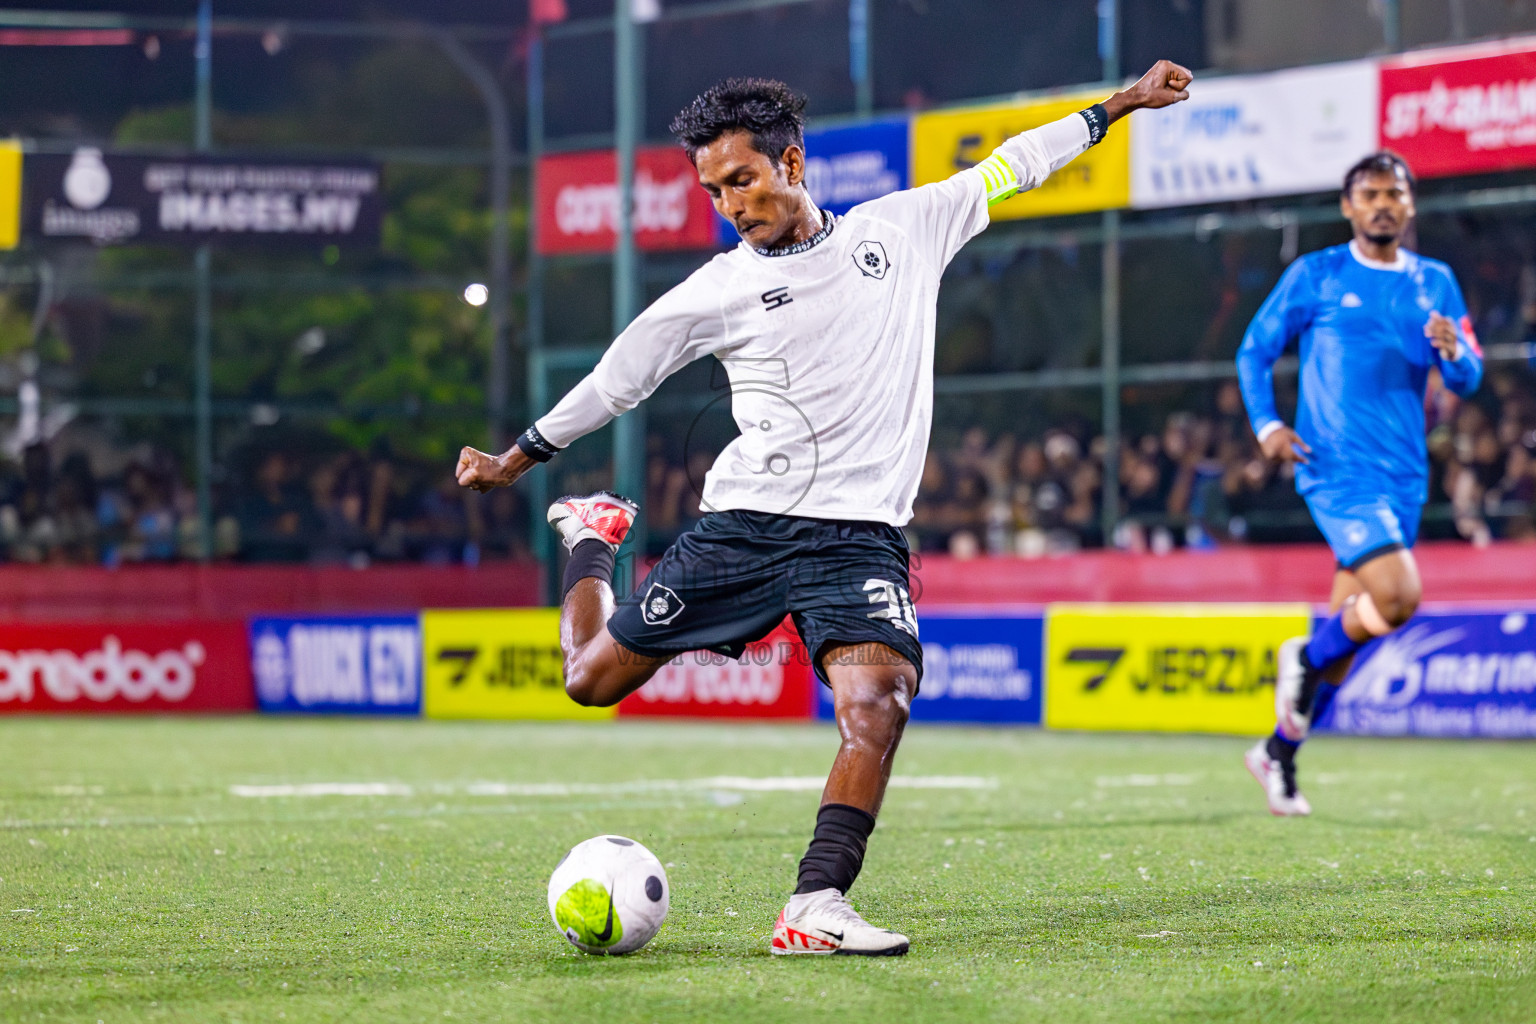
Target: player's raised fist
column 1165, row 84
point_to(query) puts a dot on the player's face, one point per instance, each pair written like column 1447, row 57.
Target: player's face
column 1379, row 206
column 761, row 198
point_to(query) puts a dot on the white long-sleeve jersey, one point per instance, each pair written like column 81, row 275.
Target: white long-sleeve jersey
column 828, row 348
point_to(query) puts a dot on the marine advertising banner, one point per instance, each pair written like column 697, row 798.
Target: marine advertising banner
column 773, row 679
column 577, row 202
column 978, row 666
column 113, row 198
column 948, row 141
column 121, row 667
column 1462, row 111
column 1255, row 135
column 1166, row 668
column 1445, row 673
column 849, row 165
column 496, row 663
column 337, row 664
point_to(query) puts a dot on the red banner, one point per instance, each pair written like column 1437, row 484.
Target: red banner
column 125, row 667
column 578, row 202
column 773, row 679
column 1462, row 111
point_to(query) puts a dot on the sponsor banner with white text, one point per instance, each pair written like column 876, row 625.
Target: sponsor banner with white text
column 577, row 202
column 1255, row 135
column 978, row 666
column 337, row 664
column 1462, row 111
column 1445, row 673
column 773, row 679
column 125, row 667
column 112, row 198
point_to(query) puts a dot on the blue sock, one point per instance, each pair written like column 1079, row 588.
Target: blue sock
column 1326, row 691
column 1330, row 643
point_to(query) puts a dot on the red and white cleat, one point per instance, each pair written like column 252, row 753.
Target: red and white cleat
column 1278, row 780
column 603, row 516
column 1295, row 689
column 824, row 924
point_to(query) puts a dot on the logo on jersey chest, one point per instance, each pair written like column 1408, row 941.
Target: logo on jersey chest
column 773, row 298
column 871, row 260
column 661, row 605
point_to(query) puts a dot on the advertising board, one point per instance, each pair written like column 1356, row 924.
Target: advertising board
column 10, row 194
column 1445, row 673
column 1255, row 135
column 947, row 141
column 978, row 666
column 773, row 679
column 1173, row 668
column 113, row 198
column 125, row 667
column 496, row 663
column 577, row 200
column 337, row 664
column 1462, row 111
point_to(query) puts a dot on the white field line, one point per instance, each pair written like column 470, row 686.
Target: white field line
column 734, row 783
column 1118, row 781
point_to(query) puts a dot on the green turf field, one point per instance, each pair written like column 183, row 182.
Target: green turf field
column 1102, row 877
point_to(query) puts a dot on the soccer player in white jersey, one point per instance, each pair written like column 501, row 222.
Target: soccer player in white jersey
column 825, row 326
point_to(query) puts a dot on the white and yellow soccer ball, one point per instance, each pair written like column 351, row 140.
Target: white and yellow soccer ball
column 609, row 895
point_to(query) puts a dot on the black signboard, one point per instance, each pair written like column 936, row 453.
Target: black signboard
column 115, row 199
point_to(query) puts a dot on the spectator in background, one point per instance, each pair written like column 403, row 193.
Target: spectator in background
column 276, row 523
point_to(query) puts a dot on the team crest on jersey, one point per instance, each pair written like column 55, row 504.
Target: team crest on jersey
column 661, row 605
column 871, row 260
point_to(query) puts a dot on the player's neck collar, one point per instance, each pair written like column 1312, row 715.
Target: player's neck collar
column 820, row 236
column 1401, row 263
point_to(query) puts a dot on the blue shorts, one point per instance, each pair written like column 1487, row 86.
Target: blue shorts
column 1360, row 526
column 733, row 577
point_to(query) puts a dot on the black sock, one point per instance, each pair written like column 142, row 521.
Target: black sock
column 1281, row 750
column 836, row 852
column 589, row 558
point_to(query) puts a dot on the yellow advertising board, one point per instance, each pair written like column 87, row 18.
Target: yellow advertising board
column 947, row 141
column 496, row 663
column 1166, row 667
column 10, row 194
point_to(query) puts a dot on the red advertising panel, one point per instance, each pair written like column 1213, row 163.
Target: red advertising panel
column 578, row 202
column 1462, row 111
column 772, row 680
column 125, row 667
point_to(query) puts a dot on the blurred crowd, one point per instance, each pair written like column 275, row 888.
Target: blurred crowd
column 340, row 509
column 1202, row 482
column 1198, row 482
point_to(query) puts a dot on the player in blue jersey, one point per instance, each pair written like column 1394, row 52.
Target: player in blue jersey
column 1370, row 320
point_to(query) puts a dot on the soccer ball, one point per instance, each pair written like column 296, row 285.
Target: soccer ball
column 609, row 895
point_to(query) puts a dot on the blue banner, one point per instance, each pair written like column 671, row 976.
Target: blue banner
column 983, row 669
column 848, row 166
column 338, row 664
column 1444, row 674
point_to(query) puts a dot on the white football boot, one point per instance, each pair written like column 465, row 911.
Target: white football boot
column 1278, row 780
column 1295, row 689
column 823, row 923
column 603, row 516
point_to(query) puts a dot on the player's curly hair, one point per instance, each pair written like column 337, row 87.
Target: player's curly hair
column 1382, row 162
column 772, row 112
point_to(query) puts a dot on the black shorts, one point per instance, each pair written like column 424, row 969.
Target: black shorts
column 734, row 576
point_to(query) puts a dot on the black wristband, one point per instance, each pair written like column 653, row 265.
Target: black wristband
column 535, row 446
column 1098, row 123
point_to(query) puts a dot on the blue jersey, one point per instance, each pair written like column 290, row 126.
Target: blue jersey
column 1364, row 363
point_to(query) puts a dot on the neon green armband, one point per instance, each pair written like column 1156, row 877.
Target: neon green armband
column 999, row 177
